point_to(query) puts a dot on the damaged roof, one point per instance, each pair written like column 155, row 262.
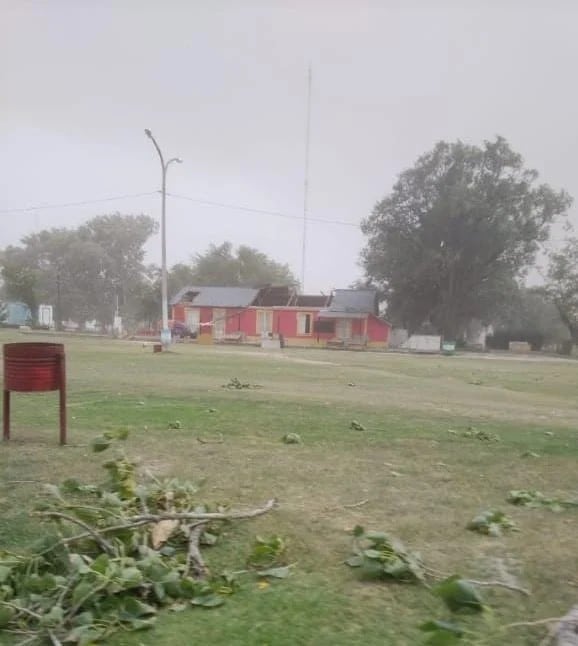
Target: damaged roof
column 351, row 303
column 209, row 296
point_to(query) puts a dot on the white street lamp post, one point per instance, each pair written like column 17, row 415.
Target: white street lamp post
column 165, row 332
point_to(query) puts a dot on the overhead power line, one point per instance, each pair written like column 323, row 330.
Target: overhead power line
column 223, row 205
column 41, row 207
column 247, row 209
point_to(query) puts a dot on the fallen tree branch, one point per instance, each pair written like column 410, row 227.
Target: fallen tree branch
column 22, row 482
column 104, row 530
column 501, row 584
column 538, row 622
column 105, row 545
column 54, row 639
column 234, row 515
column 147, row 519
column 202, row 440
column 357, row 504
column 195, row 561
column 16, row 608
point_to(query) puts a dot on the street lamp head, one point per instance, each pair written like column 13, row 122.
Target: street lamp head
column 148, row 133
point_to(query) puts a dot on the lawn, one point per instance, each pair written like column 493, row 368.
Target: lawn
column 416, row 474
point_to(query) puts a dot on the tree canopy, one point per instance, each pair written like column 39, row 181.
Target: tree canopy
column 562, row 284
column 83, row 271
column 446, row 244
column 223, row 265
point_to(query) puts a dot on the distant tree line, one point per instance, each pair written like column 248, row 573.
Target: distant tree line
column 89, row 272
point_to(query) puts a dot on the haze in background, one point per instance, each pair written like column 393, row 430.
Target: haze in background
column 224, row 87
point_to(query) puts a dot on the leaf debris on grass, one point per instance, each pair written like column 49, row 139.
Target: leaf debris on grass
column 459, row 594
column 533, row 498
column 491, row 522
column 116, row 552
column 292, row 438
column 235, row 384
column 380, row 556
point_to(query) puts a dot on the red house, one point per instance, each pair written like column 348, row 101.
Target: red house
column 346, row 318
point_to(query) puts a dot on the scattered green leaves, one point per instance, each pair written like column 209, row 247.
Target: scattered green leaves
column 292, row 438
column 380, row 556
column 442, row 633
column 480, row 434
column 267, row 552
column 275, row 572
column 459, row 595
column 236, row 384
column 533, row 498
column 491, row 522
column 105, row 569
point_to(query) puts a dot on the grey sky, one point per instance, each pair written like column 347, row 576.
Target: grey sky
column 223, row 85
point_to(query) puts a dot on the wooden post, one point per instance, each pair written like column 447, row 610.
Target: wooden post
column 62, row 400
column 6, row 415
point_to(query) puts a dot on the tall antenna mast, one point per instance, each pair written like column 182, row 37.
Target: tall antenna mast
column 306, row 180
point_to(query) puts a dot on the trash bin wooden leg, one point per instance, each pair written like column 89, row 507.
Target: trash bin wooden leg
column 6, row 415
column 62, row 394
column 62, row 416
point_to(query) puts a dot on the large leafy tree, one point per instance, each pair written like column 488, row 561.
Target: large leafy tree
column 222, row 265
column 562, row 284
column 454, row 233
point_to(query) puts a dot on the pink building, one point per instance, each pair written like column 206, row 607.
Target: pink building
column 346, row 318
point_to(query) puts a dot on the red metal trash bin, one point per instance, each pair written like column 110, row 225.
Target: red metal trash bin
column 34, row 367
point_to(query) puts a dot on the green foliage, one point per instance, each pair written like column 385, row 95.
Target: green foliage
column 459, row 595
column 105, row 570
column 275, row 572
column 83, row 271
column 292, row 438
column 532, row 498
column 236, row 384
column 442, row 633
column 222, row 265
column 529, row 315
column 456, row 231
column 491, row 522
column 103, row 442
column 267, row 552
column 562, row 285
column 480, row 434
column 380, row 556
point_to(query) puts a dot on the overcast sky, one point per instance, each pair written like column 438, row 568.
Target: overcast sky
column 223, row 84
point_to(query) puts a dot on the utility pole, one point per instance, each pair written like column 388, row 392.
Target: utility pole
column 165, row 332
column 58, row 301
column 306, row 182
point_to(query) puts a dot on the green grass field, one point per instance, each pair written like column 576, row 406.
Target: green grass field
column 421, row 482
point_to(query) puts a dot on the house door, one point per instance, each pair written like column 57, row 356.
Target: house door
column 264, row 323
column 343, row 329
column 193, row 318
column 219, row 323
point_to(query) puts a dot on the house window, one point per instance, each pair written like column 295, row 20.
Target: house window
column 264, row 322
column 325, row 326
column 304, row 323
